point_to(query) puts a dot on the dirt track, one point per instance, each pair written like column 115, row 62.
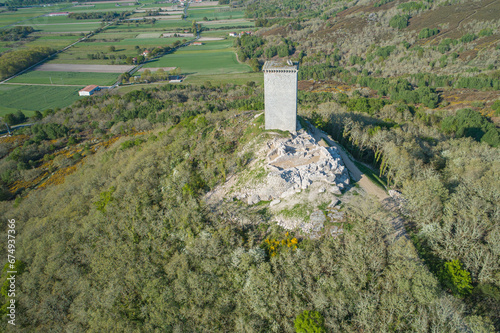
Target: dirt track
column 356, row 174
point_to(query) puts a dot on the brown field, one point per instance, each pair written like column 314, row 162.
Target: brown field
column 108, row 2
column 204, row 4
column 203, row 39
column 84, row 68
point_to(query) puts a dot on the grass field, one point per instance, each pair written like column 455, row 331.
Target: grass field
column 102, row 7
column 211, row 14
column 229, row 25
column 212, row 58
column 78, row 53
column 239, row 78
column 42, row 77
column 54, row 20
column 160, row 25
column 55, row 41
column 63, row 28
column 32, row 98
column 22, row 14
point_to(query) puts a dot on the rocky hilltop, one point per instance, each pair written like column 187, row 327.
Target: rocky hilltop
column 295, row 164
column 299, row 179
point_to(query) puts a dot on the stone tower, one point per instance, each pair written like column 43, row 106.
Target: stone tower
column 280, row 95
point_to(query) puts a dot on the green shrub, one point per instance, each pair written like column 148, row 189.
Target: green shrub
column 14, row 118
column 456, row 278
column 399, row 21
column 469, row 123
column 485, row 32
column 310, row 322
column 467, row 38
column 426, row 33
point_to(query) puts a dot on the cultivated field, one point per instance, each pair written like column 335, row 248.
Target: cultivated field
column 84, row 68
column 214, row 14
column 67, row 78
column 216, row 57
column 102, row 57
column 32, row 98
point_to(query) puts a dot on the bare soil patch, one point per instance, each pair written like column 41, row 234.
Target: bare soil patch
column 149, row 35
column 84, row 68
column 204, row 4
column 203, row 39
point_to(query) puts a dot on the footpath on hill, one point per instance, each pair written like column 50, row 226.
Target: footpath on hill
column 365, row 183
column 356, row 174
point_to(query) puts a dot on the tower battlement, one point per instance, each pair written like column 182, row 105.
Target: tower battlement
column 280, row 95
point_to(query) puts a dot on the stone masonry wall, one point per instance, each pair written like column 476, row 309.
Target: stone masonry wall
column 280, row 98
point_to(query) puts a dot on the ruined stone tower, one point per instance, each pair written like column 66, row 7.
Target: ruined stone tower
column 280, row 95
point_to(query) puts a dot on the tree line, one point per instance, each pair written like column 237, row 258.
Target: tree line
column 15, row 61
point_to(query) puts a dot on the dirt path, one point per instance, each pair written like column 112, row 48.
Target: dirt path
column 368, row 186
column 356, row 174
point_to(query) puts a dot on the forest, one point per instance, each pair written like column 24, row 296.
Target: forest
column 15, row 61
column 132, row 227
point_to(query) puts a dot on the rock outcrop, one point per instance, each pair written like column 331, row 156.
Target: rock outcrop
column 294, row 165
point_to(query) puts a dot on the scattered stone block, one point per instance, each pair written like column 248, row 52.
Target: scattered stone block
column 275, row 202
column 254, row 199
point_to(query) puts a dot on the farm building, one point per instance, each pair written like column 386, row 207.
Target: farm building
column 175, row 79
column 89, row 90
column 233, row 34
column 197, row 43
column 145, row 53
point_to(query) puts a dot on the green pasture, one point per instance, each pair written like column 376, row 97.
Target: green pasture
column 215, row 80
column 160, row 25
column 229, row 25
column 53, row 20
column 211, row 14
column 78, row 54
column 211, row 58
column 32, row 98
column 70, row 78
column 23, row 14
column 238, row 78
column 115, row 35
column 102, row 7
column 157, row 5
column 55, row 41
column 4, row 46
column 63, row 28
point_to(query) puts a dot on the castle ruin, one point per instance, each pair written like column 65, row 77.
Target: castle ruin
column 280, row 95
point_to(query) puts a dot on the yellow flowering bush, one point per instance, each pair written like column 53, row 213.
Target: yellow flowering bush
column 274, row 246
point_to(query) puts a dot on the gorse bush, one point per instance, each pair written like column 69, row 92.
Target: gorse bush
column 310, row 322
